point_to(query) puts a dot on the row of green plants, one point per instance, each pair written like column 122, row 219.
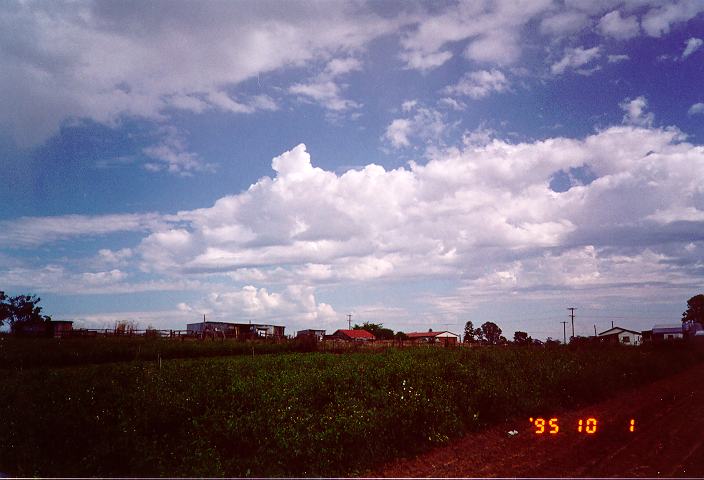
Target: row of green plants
column 311, row 414
column 50, row 352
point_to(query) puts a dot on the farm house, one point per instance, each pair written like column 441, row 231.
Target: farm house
column 352, row 336
column 444, row 337
column 619, row 335
column 240, row 331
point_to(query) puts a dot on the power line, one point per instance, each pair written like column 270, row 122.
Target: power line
column 564, row 331
column 572, row 309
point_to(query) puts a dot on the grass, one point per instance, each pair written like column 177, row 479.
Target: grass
column 309, row 414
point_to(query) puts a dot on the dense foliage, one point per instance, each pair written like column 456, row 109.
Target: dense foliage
column 22, row 309
column 695, row 310
column 376, row 329
column 45, row 352
column 491, row 334
column 291, row 414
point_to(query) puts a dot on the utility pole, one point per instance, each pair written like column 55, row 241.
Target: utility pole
column 595, row 330
column 349, row 321
column 572, row 309
column 564, row 332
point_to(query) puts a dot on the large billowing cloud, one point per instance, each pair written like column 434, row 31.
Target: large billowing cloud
column 467, row 214
column 631, row 218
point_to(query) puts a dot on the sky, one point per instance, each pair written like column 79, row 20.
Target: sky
column 415, row 164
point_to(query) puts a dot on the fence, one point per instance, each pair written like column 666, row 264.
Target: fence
column 111, row 332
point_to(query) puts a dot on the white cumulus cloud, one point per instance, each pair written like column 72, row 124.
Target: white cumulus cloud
column 696, row 109
column 425, row 124
column 636, row 112
column 295, row 305
column 621, row 28
column 464, row 211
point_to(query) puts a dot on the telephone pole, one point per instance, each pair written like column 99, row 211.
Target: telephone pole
column 564, row 332
column 572, row 309
column 349, row 321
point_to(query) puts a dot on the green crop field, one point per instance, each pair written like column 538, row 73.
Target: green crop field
column 295, row 414
column 45, row 352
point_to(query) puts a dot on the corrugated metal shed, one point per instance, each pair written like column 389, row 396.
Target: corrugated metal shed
column 667, row 329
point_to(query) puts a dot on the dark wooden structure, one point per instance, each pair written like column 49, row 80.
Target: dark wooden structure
column 239, row 331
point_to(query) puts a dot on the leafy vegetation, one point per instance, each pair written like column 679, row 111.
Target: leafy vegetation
column 376, row 329
column 49, row 352
column 21, row 310
column 695, row 310
column 291, row 414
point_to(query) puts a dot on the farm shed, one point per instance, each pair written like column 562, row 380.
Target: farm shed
column 444, row 337
column 311, row 333
column 240, row 331
column 352, row 336
column 61, row 328
column 619, row 335
column 667, row 332
column 53, row 328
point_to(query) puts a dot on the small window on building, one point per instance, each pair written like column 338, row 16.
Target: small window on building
column 669, row 337
column 626, row 339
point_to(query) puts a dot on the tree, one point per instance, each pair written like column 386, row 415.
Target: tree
column 20, row 310
column 4, row 308
column 125, row 327
column 695, row 310
column 491, row 333
column 522, row 338
column 376, row 329
column 471, row 334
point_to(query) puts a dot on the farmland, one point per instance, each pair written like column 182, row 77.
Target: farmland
column 45, row 352
column 303, row 414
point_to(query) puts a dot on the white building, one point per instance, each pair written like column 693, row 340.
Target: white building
column 621, row 336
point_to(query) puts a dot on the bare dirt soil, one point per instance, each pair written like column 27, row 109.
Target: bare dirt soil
column 667, row 441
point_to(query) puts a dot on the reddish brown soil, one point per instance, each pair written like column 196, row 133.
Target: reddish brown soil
column 668, row 440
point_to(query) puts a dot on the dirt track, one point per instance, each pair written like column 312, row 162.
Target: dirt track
column 668, row 440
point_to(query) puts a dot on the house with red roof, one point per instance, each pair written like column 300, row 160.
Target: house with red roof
column 353, row 335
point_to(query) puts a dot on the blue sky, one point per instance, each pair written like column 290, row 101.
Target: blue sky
column 417, row 164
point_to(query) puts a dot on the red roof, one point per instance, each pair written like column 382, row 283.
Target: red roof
column 356, row 334
column 422, row 334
